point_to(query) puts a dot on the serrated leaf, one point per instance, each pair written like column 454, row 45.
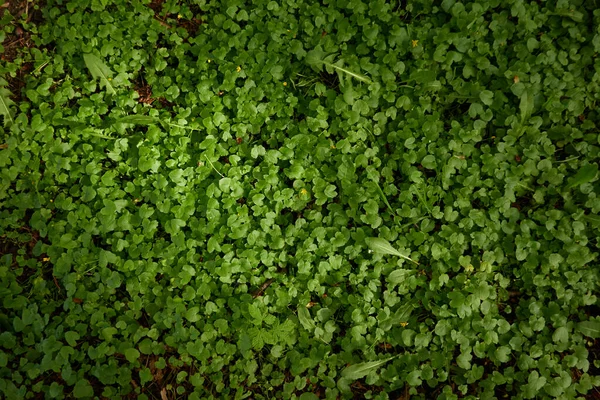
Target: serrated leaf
column 382, row 246
column 317, row 58
column 5, row 103
column 99, row 70
column 305, row 319
column 584, row 175
column 255, row 313
column 358, row 371
column 258, row 339
column 589, row 329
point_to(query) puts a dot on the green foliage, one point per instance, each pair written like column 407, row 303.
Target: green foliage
column 379, row 245
column 361, row 370
column 99, row 70
column 299, row 199
column 5, row 103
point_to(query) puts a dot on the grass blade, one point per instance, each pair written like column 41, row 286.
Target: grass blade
column 137, row 119
column 385, row 200
column 361, row 78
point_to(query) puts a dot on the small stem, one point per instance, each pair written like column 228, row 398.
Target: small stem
column 213, row 166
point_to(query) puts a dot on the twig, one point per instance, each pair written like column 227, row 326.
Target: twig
column 264, row 287
column 56, row 283
column 163, row 23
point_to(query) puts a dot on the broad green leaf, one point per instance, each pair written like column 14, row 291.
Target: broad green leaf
column 72, row 337
column 315, row 56
column 192, row 314
column 398, row 276
column 535, row 382
column 400, row 317
column 561, row 335
column 5, row 103
column 99, row 70
column 382, row 246
column 145, row 376
column 594, row 219
column 584, row 175
column 83, row 389
column 305, row 318
column 486, row 97
column 414, row 378
column 526, row 105
column 358, row 371
column 429, row 162
column 589, row 328
column 88, row 193
column 576, row 16
column 132, row 355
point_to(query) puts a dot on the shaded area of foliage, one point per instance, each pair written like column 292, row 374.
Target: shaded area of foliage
column 299, row 200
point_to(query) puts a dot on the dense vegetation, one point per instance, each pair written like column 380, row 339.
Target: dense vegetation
column 294, row 199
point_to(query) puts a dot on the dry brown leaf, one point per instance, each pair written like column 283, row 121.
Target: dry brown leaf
column 163, row 394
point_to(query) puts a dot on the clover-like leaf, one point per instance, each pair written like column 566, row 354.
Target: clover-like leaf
column 132, row 355
column 82, row 389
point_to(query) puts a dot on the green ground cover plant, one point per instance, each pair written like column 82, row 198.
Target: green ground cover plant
column 300, row 200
